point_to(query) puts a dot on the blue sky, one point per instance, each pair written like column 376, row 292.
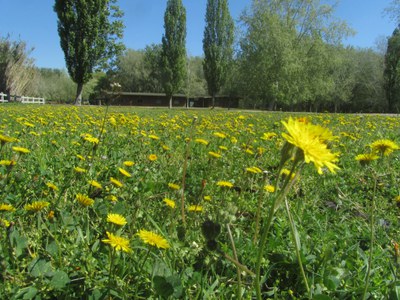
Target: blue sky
column 35, row 22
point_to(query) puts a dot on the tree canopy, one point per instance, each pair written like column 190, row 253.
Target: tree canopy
column 89, row 32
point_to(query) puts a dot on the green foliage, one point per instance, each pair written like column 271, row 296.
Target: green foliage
column 392, row 73
column 17, row 72
column 173, row 53
column 217, row 44
column 89, row 33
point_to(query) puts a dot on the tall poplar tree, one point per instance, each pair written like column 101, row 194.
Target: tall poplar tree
column 392, row 71
column 173, row 53
column 217, row 45
column 89, row 31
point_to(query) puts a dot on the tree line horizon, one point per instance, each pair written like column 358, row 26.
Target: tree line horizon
column 281, row 55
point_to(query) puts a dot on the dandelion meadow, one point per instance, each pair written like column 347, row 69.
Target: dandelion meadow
column 128, row 203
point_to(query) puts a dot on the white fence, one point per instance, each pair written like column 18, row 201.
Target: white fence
column 29, row 100
column 2, row 98
column 23, row 99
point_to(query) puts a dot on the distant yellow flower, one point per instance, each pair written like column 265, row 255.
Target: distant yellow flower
column 119, row 243
column 6, row 139
column 153, row 137
column 223, row 148
column 220, row 135
column 36, row 206
column 52, row 186
column 21, row 150
column 80, row 157
column 124, row 172
column 116, row 182
column 225, row 184
column 7, row 163
column 50, row 215
column 249, row 151
column 79, row 170
column 112, row 198
column 214, row 154
column 128, row 163
column 169, row 202
column 207, row 198
column 116, row 219
column 268, row 135
column 153, row 239
column 309, row 139
column 365, row 159
column 286, row 172
column 269, row 188
column 174, row 186
column 165, row 147
column 196, row 208
column 95, row 184
column 152, row 157
column 201, row 141
column 254, row 170
column 6, row 207
column 84, row 200
column 384, row 147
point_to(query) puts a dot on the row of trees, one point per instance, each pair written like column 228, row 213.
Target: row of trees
column 288, row 55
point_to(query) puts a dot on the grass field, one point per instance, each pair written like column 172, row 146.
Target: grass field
column 127, row 203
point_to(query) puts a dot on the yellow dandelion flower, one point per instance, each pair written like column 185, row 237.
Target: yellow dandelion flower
column 95, row 184
column 367, row 158
column 116, row 219
column 249, row 151
column 112, row 121
column 169, row 202
column 196, row 208
column 21, row 150
column 6, row 207
column 128, row 163
column 310, row 139
column 119, row 243
column 80, row 157
column 92, row 140
column 8, row 163
column 6, row 139
column 153, row 239
column 207, row 198
column 220, row 135
column 223, row 148
column 269, row 188
column 84, row 200
column 384, row 147
column 174, row 186
column 116, row 182
column 225, row 184
column 268, row 135
column 79, row 170
column 286, row 172
column 253, row 170
column 165, row 147
column 52, row 186
column 124, row 172
column 152, row 157
column 214, row 154
column 153, row 137
column 201, row 141
column 5, row 223
column 36, row 206
column 112, row 198
column 50, row 215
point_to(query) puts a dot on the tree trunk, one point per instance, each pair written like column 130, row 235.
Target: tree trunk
column 213, row 101
column 79, row 90
column 170, row 101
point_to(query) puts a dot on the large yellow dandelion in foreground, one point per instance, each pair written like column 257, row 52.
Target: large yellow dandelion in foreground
column 153, row 239
column 310, row 139
column 119, row 243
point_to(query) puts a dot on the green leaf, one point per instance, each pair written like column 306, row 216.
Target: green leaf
column 162, row 286
column 331, row 282
column 395, row 293
column 60, row 280
column 321, row 297
column 27, row 293
column 39, row 267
